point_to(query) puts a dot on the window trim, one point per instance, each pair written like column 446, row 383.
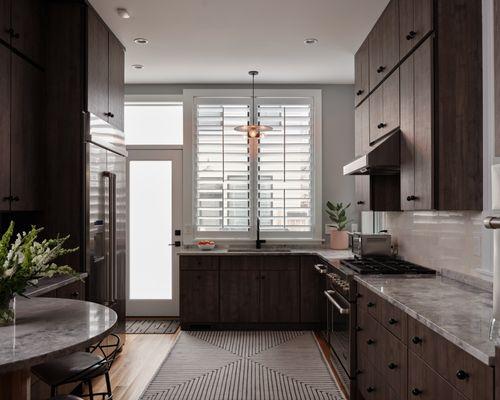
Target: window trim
column 189, row 101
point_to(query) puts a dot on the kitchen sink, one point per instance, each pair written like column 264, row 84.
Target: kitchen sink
column 258, row 250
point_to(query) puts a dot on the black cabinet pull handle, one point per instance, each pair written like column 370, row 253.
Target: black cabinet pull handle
column 411, row 198
column 416, row 340
column 393, row 321
column 392, row 366
column 111, row 115
column 15, row 198
column 359, row 329
column 370, row 342
column 7, row 198
column 359, row 92
column 381, row 125
column 360, row 203
column 370, row 389
column 416, row 392
column 75, row 294
column 411, row 35
column 380, row 69
column 462, row 375
column 370, row 305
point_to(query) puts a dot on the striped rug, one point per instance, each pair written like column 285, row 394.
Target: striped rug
column 152, row 326
column 244, row 365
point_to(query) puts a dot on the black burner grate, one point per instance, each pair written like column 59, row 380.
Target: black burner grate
column 385, row 265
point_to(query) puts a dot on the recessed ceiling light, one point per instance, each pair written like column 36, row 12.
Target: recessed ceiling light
column 137, row 66
column 123, row 13
column 140, row 40
column 311, row 41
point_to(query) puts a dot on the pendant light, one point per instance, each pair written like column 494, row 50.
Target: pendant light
column 254, row 131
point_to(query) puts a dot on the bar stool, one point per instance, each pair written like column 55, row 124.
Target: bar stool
column 81, row 367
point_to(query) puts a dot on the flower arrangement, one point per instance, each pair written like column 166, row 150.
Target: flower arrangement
column 23, row 261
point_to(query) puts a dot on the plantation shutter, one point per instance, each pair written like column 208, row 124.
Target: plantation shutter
column 222, row 167
column 284, row 164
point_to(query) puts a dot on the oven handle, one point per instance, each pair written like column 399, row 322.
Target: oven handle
column 328, row 294
column 318, row 268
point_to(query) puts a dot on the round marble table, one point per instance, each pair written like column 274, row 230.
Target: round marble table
column 47, row 328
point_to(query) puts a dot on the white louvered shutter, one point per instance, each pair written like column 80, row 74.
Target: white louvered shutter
column 222, row 168
column 284, row 164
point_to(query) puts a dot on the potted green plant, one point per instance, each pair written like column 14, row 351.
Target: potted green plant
column 339, row 239
column 23, row 261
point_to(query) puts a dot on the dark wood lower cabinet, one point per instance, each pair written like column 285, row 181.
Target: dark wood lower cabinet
column 199, row 296
column 312, row 285
column 279, row 296
column 239, row 296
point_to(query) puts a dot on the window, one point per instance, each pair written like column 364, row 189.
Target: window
column 153, row 123
column 237, row 180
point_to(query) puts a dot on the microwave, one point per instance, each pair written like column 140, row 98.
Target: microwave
column 369, row 245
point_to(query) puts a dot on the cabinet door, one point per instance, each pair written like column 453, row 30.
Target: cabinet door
column 279, row 294
column 417, row 126
column 362, row 189
column 199, row 296
column 311, row 291
column 361, row 73
column 415, row 21
column 362, row 129
column 27, row 20
column 376, row 56
column 5, row 22
column 26, row 127
column 4, row 128
column 391, row 103
column 116, row 82
column 98, row 66
column 239, row 296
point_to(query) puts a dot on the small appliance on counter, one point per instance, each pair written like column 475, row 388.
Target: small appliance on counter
column 369, row 245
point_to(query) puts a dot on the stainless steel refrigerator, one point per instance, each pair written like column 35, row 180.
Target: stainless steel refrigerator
column 106, row 215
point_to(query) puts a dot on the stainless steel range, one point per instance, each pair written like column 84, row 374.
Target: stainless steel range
column 341, row 295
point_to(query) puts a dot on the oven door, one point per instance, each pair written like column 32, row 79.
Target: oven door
column 339, row 327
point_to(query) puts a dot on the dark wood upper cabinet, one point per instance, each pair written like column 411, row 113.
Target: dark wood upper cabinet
column 27, row 37
column 361, row 73
column 384, row 108
column 384, row 44
column 116, row 82
column 4, row 128
column 97, row 66
column 25, row 134
column 362, row 129
column 362, row 192
column 417, row 130
column 5, row 20
column 415, row 22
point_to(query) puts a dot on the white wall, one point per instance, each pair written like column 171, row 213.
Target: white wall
column 338, row 131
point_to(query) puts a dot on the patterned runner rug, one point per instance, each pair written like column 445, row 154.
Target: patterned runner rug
column 152, row 326
column 244, row 365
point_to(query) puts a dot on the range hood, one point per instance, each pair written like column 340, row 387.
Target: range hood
column 383, row 159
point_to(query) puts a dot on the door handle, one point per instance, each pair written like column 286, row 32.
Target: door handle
column 112, row 273
column 341, row 310
column 492, row 222
column 177, row 243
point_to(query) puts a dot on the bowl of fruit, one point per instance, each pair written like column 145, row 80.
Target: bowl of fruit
column 206, row 244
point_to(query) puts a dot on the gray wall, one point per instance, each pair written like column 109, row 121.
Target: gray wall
column 338, row 131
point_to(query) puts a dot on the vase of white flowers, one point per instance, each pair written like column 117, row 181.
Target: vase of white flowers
column 23, row 262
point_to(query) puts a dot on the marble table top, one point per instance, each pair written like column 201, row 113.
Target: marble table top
column 459, row 312
column 47, row 285
column 47, row 328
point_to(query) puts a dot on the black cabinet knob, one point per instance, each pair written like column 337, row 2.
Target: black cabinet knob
column 392, row 366
column 370, row 389
column 381, row 125
column 15, row 198
column 359, row 329
column 359, row 92
column 381, row 69
column 111, row 115
column 370, row 304
column 416, row 340
column 416, row 392
column 75, row 294
column 411, row 198
column 462, row 375
column 411, row 35
column 393, row 321
column 370, row 342
column 360, row 203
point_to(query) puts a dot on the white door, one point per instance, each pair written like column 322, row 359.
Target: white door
column 155, row 220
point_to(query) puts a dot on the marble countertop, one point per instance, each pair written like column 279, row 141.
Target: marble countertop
column 49, row 284
column 459, row 312
column 47, row 328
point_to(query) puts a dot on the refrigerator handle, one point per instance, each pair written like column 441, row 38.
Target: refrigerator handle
column 112, row 273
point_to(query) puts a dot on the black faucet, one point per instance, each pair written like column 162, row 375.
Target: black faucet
column 258, row 242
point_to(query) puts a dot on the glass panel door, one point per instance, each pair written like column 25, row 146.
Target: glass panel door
column 154, row 216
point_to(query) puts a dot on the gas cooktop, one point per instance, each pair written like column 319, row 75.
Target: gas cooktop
column 384, row 265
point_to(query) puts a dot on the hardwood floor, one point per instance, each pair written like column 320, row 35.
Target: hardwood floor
column 137, row 364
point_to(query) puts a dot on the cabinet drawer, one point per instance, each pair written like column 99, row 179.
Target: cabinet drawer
column 241, row 263
column 280, row 262
column 199, row 263
column 393, row 362
column 464, row 372
column 369, row 302
column 368, row 337
column 393, row 319
column 372, row 385
column 425, row 384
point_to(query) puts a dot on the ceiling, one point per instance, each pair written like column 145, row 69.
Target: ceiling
column 219, row 41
